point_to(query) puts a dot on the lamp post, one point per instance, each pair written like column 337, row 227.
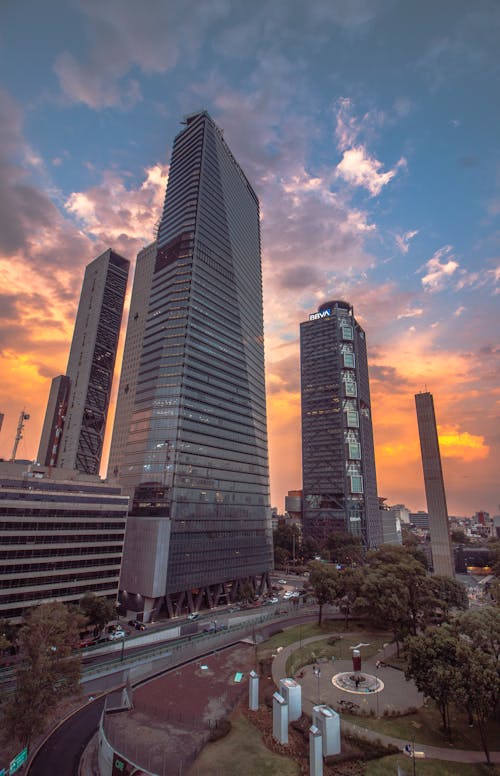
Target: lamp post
column 317, row 674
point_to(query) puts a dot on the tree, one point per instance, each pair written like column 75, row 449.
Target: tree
column 448, row 665
column 482, row 628
column 98, row 610
column 432, row 664
column 383, row 600
column 309, row 548
column 478, row 688
column 421, row 599
column 344, row 548
column 325, row 584
column 8, row 634
column 458, row 536
column 48, row 672
column 449, row 594
column 352, row 581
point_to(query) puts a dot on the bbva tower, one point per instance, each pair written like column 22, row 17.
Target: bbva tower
column 194, row 456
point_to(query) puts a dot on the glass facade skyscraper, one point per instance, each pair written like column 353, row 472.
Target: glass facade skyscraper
column 196, row 453
column 338, row 459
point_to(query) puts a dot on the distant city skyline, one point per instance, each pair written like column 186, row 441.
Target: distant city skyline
column 369, row 133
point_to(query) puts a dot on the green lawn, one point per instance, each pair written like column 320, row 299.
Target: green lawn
column 388, row 765
column 424, row 726
column 340, row 650
column 243, row 752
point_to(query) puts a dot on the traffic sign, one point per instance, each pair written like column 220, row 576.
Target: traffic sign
column 18, row 760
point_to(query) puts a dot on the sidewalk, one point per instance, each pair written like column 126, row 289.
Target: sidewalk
column 402, row 694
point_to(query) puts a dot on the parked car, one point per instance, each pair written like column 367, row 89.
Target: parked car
column 274, row 600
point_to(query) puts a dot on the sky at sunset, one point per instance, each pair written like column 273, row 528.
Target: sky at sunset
column 370, row 132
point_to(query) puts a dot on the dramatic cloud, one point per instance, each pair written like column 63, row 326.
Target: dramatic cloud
column 454, row 443
column 358, row 168
column 120, row 216
column 440, row 272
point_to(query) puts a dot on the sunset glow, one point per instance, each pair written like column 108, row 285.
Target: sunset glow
column 371, row 141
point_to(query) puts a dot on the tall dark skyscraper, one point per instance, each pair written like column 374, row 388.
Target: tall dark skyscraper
column 442, row 555
column 338, row 460
column 75, row 420
column 195, row 460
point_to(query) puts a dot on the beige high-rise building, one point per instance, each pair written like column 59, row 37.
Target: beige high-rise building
column 131, row 357
column 442, row 555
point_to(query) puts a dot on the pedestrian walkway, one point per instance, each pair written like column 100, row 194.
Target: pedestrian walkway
column 397, row 694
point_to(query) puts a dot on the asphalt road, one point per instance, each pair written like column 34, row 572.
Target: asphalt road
column 62, row 751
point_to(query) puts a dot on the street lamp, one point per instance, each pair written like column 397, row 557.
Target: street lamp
column 317, row 674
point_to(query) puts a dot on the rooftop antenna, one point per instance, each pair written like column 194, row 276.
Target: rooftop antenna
column 19, row 433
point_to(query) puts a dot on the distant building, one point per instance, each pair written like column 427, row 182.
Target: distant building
column 338, row 459
column 391, row 524
column 75, row 420
column 401, row 513
column 293, row 505
column 420, row 520
column 434, row 486
column 61, row 535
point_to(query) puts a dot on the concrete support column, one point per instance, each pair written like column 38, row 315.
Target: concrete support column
column 315, row 752
column 292, row 693
column 253, row 692
column 280, row 719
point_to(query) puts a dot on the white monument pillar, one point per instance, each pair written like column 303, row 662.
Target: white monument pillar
column 315, row 753
column 280, row 719
column 328, row 722
column 253, row 692
column 292, row 693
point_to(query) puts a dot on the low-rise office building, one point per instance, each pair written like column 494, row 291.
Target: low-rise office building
column 61, row 535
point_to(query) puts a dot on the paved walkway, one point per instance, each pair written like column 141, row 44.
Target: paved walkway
column 397, row 694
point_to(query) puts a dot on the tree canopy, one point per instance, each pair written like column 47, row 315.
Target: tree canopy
column 98, row 610
column 49, row 671
column 458, row 662
column 326, row 584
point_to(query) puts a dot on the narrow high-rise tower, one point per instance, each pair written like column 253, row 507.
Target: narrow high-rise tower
column 73, row 431
column 442, row 556
column 338, row 459
column 136, row 325
column 195, row 460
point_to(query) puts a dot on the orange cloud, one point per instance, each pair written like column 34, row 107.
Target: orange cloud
column 454, row 443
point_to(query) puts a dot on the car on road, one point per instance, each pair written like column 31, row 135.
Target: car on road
column 119, row 633
column 193, row 616
column 137, row 624
column 274, row 600
column 281, row 581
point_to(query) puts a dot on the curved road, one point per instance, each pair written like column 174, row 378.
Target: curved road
column 61, row 752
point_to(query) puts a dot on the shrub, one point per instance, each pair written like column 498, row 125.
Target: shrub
column 222, row 728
